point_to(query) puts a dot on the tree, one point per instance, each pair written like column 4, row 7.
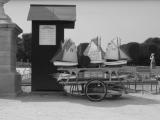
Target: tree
column 144, row 56
column 24, row 47
column 140, row 53
column 27, row 38
column 157, row 57
column 155, row 40
column 20, row 54
column 154, row 47
column 133, row 52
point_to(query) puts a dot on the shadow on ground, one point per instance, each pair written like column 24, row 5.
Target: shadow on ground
column 129, row 99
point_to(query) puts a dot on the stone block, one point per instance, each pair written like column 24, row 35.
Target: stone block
column 10, row 84
column 7, row 58
column 6, row 68
column 7, row 40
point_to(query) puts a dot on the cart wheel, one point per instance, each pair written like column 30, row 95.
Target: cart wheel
column 95, row 90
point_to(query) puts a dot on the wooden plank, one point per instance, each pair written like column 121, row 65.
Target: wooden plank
column 143, row 69
column 111, row 82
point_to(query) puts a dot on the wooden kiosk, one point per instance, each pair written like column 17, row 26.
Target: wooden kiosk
column 48, row 24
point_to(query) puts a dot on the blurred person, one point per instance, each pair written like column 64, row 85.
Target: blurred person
column 152, row 63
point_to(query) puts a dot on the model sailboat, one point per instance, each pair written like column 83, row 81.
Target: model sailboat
column 114, row 55
column 67, row 56
column 94, row 51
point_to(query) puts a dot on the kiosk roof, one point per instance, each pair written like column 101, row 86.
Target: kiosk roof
column 52, row 12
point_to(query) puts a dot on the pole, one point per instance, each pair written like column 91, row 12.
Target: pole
column 119, row 57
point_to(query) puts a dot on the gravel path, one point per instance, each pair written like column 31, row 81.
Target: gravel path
column 56, row 106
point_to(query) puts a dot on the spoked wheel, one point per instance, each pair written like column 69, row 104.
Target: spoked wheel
column 95, row 90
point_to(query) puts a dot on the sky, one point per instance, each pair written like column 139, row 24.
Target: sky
column 131, row 20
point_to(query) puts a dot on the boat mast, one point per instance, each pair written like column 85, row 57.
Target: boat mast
column 118, row 44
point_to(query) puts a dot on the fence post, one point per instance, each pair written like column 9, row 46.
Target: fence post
column 142, row 87
column 135, row 83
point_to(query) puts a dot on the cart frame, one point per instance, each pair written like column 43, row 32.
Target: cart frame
column 107, row 84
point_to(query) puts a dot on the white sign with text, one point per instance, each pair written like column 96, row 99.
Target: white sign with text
column 47, row 35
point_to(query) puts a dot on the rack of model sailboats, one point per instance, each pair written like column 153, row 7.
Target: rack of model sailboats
column 67, row 57
column 114, row 56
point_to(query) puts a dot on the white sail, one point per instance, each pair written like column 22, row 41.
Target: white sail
column 67, row 56
column 114, row 52
column 94, row 51
column 70, row 53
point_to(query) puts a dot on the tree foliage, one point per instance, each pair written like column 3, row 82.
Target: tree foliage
column 24, row 47
column 20, row 49
column 27, row 38
column 140, row 53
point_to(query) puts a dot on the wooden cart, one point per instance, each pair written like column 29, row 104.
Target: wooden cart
column 95, row 83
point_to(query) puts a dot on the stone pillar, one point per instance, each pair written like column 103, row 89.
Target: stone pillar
column 9, row 79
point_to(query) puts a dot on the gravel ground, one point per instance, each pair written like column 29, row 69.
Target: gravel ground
column 56, row 106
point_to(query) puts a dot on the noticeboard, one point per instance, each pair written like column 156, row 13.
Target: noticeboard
column 47, row 35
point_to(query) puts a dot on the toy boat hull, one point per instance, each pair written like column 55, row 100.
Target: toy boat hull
column 114, row 63
column 60, row 76
column 97, row 62
column 62, row 63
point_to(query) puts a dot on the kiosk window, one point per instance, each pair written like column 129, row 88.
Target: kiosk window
column 47, row 35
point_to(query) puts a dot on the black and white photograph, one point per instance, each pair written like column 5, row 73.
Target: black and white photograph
column 79, row 59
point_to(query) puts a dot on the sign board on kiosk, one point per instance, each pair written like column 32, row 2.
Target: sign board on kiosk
column 47, row 35
column 48, row 24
